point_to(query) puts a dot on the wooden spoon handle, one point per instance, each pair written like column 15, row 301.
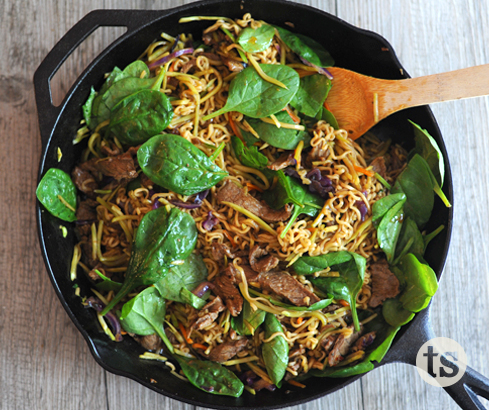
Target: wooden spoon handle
column 465, row 83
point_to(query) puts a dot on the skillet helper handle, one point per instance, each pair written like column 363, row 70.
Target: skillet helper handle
column 466, row 390
column 47, row 112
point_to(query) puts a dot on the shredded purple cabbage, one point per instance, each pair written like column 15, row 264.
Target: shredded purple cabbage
column 167, row 58
column 291, row 172
column 279, row 51
column 321, row 70
column 202, row 288
column 98, row 305
column 362, row 208
column 320, row 183
column 210, row 222
column 156, row 204
column 174, row 46
column 184, row 205
column 201, row 196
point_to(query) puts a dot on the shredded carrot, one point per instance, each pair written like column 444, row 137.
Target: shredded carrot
column 227, row 235
column 299, row 320
column 199, row 346
column 305, row 73
column 343, row 302
column 123, row 332
column 294, row 117
column 297, row 384
column 364, row 171
column 235, row 129
column 184, row 333
column 172, row 67
column 311, row 229
column 252, row 187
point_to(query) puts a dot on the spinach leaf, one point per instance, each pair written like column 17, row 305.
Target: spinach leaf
column 383, row 340
column 316, row 306
column 389, row 228
column 161, row 239
column 351, row 268
column 248, row 156
column 211, row 377
column 87, row 107
column 284, row 138
column 415, row 181
column 190, row 299
column 256, row 40
column 306, row 47
column 380, row 207
column 410, row 241
column 140, row 116
column 251, row 95
column 429, row 237
column 135, row 69
column 395, row 314
column 248, row 320
column 275, row 352
column 188, row 275
column 312, row 92
column 419, row 281
column 107, row 284
column 145, row 315
column 53, row 185
column 427, row 147
column 178, row 165
column 326, row 115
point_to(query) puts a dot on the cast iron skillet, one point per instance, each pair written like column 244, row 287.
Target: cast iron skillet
column 352, row 48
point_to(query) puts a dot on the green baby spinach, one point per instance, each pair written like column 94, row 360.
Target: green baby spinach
column 419, row 283
column 87, row 107
column 312, row 92
column 410, row 241
column 161, row 239
column 254, row 97
column 390, row 225
column 395, row 314
column 178, row 165
column 248, row 320
column 256, row 40
column 54, row 188
column 190, row 299
column 351, row 267
column 188, row 276
column 285, row 138
column 107, row 284
column 306, row 48
column 275, row 352
column 249, row 156
column 145, row 315
column 326, row 115
column 139, row 116
column 211, row 377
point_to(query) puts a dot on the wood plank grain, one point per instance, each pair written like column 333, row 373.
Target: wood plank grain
column 432, row 39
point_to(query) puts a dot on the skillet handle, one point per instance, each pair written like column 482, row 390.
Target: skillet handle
column 47, row 112
column 466, row 390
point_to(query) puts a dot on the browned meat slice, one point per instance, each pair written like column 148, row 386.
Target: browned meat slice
column 233, row 65
column 285, row 160
column 209, row 313
column 282, row 284
column 342, row 346
column 86, row 213
column 266, row 263
column 151, row 342
column 364, row 342
column 228, row 292
column 235, row 277
column 188, row 65
column 219, row 250
column 227, row 350
column 328, row 342
column 385, row 285
column 230, row 192
column 378, row 165
column 118, row 167
column 145, row 181
column 84, row 181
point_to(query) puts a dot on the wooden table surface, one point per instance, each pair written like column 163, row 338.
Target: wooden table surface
column 44, row 361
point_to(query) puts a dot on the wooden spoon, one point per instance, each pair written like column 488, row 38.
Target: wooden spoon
column 359, row 102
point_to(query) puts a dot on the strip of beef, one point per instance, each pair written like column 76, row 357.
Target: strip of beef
column 151, row 342
column 228, row 292
column 230, row 192
column 233, row 65
column 208, row 313
column 342, row 346
column 86, row 213
column 235, row 277
column 227, row 350
column 259, row 260
column 219, row 250
column 285, row 160
column 378, row 165
column 118, row 167
column 385, row 285
column 84, row 181
column 284, row 285
column 328, row 342
column 364, row 342
column 188, row 65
